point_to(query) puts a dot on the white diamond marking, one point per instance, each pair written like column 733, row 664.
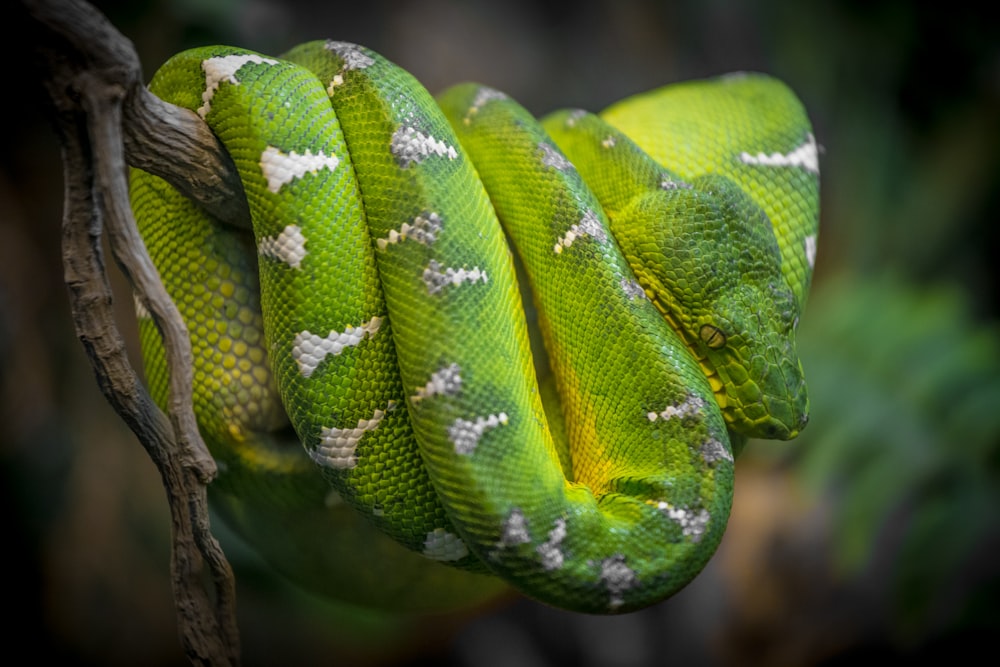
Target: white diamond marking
column 618, row 578
column 484, row 96
column 337, row 445
column 690, row 407
column 411, row 146
column 633, row 290
column 289, row 246
column 805, row 156
column 693, row 524
column 552, row 555
column 437, row 277
column 280, row 168
column 423, row 229
column 552, row 158
column 589, row 225
column 465, row 434
column 445, row 382
column 442, row 545
column 224, row 68
column 713, row 450
column 515, row 529
column 309, row 350
column 810, row 248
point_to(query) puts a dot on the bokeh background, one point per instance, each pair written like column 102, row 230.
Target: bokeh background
column 874, row 535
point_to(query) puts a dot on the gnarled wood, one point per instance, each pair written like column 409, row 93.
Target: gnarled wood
column 103, row 115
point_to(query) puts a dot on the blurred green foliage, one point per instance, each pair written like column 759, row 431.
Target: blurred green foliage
column 905, row 391
column 900, row 340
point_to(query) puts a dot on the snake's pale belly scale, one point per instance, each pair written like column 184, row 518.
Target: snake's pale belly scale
column 396, row 343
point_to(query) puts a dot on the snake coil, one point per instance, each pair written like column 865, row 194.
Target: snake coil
column 365, row 373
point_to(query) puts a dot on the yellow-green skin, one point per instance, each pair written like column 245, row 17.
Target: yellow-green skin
column 377, row 307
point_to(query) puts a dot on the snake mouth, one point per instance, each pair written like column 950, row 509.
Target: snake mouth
column 787, row 415
column 776, row 430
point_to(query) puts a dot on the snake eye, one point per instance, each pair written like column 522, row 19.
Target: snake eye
column 712, row 336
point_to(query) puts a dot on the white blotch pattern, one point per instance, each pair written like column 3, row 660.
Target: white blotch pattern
column 337, row 80
column 409, row 146
column 309, row 350
column 689, row 407
column 423, row 229
column 552, row 555
column 442, row 545
column 445, row 382
column 289, row 246
column 805, row 156
column 632, row 289
column 224, row 68
column 141, row 312
column 465, row 434
column 575, row 115
column 354, row 58
column 280, row 168
column 668, row 183
column 484, row 96
column 552, row 158
column 618, row 578
column 337, row 445
column 810, row 248
column 437, row 277
column 609, row 142
column 713, row 450
column 514, row 529
column 353, row 55
column 589, row 225
column 693, row 524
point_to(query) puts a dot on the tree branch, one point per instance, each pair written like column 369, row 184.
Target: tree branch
column 101, row 112
column 175, row 144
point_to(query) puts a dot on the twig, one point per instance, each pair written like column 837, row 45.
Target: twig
column 100, row 109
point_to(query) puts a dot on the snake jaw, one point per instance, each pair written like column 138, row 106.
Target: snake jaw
column 770, row 403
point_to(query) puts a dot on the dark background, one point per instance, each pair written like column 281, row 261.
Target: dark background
column 873, row 535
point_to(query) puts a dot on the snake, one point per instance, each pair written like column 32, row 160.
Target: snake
column 461, row 351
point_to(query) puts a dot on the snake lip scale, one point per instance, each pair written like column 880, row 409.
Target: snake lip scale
column 666, row 246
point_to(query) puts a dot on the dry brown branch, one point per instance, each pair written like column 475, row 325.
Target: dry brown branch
column 103, row 115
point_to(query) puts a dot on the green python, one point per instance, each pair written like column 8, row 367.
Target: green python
column 366, row 376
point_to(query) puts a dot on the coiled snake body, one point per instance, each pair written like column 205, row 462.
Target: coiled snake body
column 376, row 310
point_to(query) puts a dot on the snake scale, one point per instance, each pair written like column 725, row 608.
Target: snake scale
column 365, row 373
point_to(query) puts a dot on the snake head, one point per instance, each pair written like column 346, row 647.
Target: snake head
column 709, row 256
column 745, row 342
